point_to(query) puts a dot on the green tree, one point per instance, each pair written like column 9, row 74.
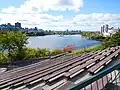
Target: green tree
column 112, row 41
column 107, row 42
column 15, row 43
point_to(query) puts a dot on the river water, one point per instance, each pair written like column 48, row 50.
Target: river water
column 60, row 42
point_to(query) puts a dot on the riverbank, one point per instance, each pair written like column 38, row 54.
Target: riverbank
column 89, row 49
column 32, row 54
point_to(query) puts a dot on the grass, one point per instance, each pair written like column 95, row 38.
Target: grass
column 90, row 49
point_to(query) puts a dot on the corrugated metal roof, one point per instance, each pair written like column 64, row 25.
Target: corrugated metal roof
column 57, row 73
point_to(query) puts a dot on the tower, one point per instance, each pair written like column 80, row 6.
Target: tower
column 18, row 25
column 103, row 28
column 106, row 29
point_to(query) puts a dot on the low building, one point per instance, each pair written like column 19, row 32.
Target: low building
column 18, row 25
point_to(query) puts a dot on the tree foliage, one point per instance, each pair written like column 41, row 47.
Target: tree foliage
column 14, row 43
column 56, row 51
column 93, row 35
column 112, row 41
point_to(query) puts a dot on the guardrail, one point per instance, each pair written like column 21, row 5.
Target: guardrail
column 108, row 79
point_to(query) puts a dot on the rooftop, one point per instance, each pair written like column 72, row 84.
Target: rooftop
column 59, row 73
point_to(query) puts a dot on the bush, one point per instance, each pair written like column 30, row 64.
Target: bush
column 4, row 58
column 30, row 53
column 69, row 48
column 37, row 53
column 42, row 52
column 112, row 41
column 56, row 51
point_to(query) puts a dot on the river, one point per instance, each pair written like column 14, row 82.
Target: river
column 58, row 42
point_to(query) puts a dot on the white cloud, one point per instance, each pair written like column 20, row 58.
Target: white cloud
column 10, row 9
column 95, row 20
column 29, row 20
column 36, row 6
column 30, row 13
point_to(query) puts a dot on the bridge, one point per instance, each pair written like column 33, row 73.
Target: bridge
column 89, row 71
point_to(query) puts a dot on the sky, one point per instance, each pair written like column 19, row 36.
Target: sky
column 85, row 15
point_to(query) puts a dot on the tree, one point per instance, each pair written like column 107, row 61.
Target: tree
column 112, row 41
column 14, row 43
column 1, row 42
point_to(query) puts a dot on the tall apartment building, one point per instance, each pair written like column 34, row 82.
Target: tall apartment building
column 106, row 31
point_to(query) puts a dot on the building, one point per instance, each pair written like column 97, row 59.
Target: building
column 18, row 25
column 106, row 27
column 106, row 31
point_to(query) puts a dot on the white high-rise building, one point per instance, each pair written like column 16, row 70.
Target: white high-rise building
column 106, row 31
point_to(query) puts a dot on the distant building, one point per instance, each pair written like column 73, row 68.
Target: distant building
column 9, row 24
column 106, row 28
column 18, row 25
column 35, row 28
column 106, row 31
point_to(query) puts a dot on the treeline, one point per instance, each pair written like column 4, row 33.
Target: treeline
column 112, row 41
column 49, row 32
column 44, row 32
column 93, row 35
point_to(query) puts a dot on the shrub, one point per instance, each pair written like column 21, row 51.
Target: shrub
column 42, row 52
column 56, row 51
column 4, row 58
column 30, row 53
column 37, row 53
column 69, row 49
column 112, row 41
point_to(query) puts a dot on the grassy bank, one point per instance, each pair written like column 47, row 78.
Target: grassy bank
column 30, row 53
column 89, row 49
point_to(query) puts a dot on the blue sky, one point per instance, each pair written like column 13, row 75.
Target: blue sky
column 7, row 3
column 61, row 14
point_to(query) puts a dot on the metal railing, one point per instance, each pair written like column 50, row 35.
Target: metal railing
column 108, row 79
